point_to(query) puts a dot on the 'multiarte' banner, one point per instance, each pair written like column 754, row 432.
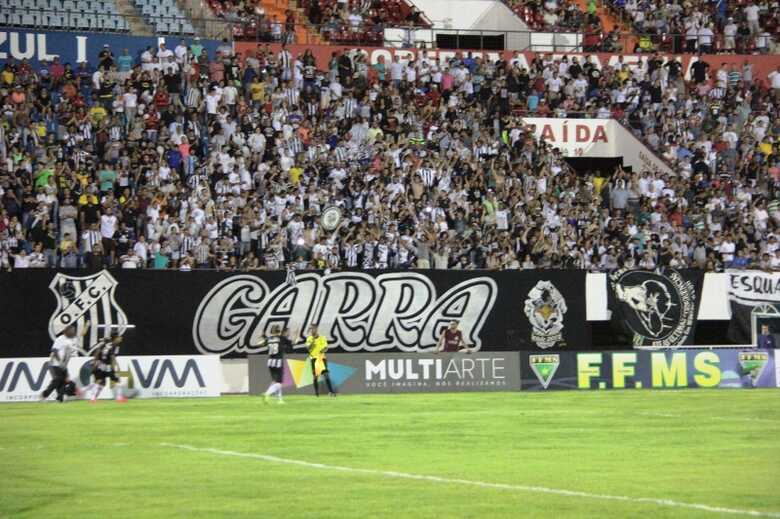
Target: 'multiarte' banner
column 690, row 368
column 755, row 307
column 396, row 373
column 228, row 314
column 658, row 308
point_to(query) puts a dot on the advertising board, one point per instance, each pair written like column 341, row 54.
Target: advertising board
column 173, row 376
column 694, row 368
column 396, row 373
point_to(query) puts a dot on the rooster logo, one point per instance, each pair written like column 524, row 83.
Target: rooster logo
column 652, row 303
column 545, row 308
column 658, row 307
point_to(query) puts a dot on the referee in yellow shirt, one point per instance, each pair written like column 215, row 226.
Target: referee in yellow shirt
column 318, row 345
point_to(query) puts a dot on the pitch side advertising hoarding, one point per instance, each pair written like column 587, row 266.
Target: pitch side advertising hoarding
column 396, row 373
column 173, row 376
column 747, row 368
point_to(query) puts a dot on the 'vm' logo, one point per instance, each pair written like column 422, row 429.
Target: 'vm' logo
column 14, row 371
column 147, row 380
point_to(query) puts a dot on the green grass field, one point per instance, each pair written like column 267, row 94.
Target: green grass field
column 596, row 454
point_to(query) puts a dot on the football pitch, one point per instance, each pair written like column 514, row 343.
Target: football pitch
column 694, row 453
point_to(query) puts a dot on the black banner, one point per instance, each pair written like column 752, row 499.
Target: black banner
column 754, row 296
column 655, row 308
column 228, row 313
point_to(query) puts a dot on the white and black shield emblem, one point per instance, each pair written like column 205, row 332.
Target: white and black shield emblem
column 82, row 299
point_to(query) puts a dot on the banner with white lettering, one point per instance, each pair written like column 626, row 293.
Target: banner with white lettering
column 395, row 373
column 754, row 296
column 227, row 314
column 174, row 376
column 655, row 309
column 39, row 48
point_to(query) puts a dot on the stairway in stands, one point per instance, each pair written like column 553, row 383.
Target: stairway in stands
column 133, row 16
column 610, row 21
column 304, row 32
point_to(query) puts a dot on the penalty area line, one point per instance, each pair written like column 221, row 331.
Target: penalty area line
column 480, row 484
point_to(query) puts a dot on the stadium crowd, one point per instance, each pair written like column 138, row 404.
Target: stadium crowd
column 554, row 15
column 342, row 21
column 183, row 160
column 741, row 26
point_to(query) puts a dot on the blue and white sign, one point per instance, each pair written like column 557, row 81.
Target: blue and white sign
column 75, row 47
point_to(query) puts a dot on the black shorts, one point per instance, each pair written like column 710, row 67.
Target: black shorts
column 101, row 376
column 276, row 374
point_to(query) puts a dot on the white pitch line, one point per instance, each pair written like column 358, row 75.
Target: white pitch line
column 482, row 484
column 718, row 418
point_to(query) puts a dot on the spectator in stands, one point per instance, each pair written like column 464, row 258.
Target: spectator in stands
column 432, row 168
column 743, row 27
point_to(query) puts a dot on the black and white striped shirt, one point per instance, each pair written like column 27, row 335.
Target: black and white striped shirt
column 428, row 176
column 187, row 244
column 314, row 152
column 115, row 133
column 86, row 130
column 193, row 97
column 351, row 255
column 291, row 95
column 89, row 239
column 341, row 153
column 350, row 105
column 313, row 109
column 285, row 59
column 295, row 146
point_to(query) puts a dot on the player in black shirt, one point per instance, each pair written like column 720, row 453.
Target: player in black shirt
column 104, row 366
column 278, row 344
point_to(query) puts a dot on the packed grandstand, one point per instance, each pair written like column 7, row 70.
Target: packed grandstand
column 281, row 153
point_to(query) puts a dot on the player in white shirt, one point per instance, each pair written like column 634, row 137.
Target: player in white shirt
column 65, row 345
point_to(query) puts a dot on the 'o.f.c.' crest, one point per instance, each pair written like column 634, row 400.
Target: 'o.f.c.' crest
column 81, row 299
column 545, row 307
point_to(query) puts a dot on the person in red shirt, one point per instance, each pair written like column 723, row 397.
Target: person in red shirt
column 452, row 340
column 56, row 70
column 161, row 98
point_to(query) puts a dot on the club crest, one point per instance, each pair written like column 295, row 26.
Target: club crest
column 81, row 299
column 544, row 367
column 658, row 308
column 545, row 308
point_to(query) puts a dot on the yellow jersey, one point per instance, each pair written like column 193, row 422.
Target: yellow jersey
column 317, row 346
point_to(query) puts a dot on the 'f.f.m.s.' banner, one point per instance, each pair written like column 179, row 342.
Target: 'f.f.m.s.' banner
column 396, row 373
column 178, row 376
column 754, row 296
column 657, row 309
column 229, row 314
column 691, row 368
